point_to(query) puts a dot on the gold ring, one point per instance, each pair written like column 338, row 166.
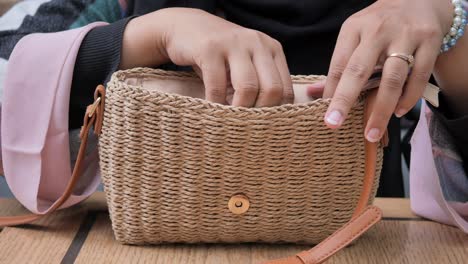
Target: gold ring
column 408, row 58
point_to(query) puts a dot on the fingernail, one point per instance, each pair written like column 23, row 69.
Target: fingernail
column 373, row 135
column 334, row 118
column 400, row 112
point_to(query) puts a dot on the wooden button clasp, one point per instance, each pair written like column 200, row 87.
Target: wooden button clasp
column 238, row 204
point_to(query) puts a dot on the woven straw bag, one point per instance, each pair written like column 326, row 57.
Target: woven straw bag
column 177, row 168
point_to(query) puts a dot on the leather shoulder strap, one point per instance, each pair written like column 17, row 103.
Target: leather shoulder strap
column 93, row 117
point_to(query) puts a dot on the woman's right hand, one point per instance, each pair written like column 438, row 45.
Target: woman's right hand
column 223, row 53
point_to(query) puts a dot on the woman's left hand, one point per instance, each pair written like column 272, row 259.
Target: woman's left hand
column 366, row 40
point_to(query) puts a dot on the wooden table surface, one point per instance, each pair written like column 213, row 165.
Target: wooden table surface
column 83, row 234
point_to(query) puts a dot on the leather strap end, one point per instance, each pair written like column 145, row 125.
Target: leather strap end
column 18, row 220
column 431, row 94
column 290, row 260
column 100, row 92
column 86, row 120
column 342, row 237
column 384, row 140
column 338, row 240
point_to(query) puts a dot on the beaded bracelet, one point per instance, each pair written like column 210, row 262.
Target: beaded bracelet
column 458, row 26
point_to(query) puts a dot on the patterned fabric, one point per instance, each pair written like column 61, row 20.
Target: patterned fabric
column 101, row 10
column 437, row 179
column 449, row 164
column 33, row 16
column 52, row 16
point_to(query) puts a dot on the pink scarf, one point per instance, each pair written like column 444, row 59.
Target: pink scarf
column 35, row 136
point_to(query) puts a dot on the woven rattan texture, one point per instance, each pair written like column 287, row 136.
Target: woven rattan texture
column 170, row 164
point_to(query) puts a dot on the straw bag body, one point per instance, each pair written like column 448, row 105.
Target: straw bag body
column 177, row 168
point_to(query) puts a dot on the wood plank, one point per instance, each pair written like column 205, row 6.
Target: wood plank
column 408, row 242
column 100, row 247
column 391, row 241
column 96, row 202
column 45, row 241
column 395, row 208
column 10, row 207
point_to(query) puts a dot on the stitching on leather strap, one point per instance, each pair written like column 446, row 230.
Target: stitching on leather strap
column 338, row 230
column 354, row 236
column 351, row 238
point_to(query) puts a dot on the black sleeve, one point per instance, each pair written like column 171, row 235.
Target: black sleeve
column 97, row 59
column 456, row 125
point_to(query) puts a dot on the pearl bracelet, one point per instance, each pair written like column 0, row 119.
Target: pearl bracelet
column 458, row 26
